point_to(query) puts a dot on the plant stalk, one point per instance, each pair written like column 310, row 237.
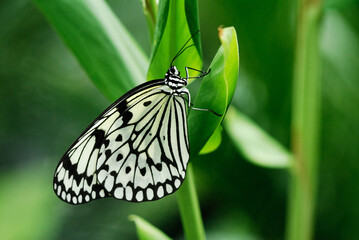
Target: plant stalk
column 189, row 208
column 305, row 123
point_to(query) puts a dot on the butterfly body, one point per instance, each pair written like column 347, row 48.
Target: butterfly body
column 136, row 150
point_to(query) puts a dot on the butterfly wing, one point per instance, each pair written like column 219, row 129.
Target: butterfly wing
column 136, row 150
column 146, row 158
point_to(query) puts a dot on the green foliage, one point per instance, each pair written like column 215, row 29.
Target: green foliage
column 150, row 9
column 175, row 25
column 108, row 53
column 215, row 92
column 43, row 90
column 255, row 144
column 213, row 142
column 145, row 231
column 177, row 22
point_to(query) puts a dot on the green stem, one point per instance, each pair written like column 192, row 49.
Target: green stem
column 305, row 123
column 189, row 208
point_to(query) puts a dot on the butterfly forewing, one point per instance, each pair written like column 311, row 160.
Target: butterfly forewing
column 136, row 150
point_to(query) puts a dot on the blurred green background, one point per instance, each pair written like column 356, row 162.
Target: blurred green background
column 46, row 100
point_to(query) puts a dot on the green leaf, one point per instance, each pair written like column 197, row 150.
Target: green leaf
column 191, row 10
column 255, row 144
column 213, row 142
column 146, row 231
column 175, row 25
column 215, row 92
column 150, row 10
column 105, row 49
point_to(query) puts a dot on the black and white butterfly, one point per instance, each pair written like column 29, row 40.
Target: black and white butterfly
column 136, row 150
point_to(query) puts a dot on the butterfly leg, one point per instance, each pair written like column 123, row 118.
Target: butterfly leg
column 190, row 105
column 184, row 91
column 202, row 72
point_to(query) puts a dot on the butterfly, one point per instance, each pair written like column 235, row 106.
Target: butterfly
column 137, row 149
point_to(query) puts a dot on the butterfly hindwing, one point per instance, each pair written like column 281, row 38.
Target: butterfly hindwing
column 136, row 150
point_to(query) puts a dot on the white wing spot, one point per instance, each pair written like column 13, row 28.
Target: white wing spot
column 59, row 191
column 109, row 182
column 149, row 193
column 102, row 193
column 87, row 198
column 119, row 193
column 139, row 196
column 177, row 183
column 169, row 188
column 129, row 193
column 102, row 175
column 160, row 192
column 183, row 174
column 74, row 200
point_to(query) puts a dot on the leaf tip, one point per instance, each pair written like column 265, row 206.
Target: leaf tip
column 220, row 31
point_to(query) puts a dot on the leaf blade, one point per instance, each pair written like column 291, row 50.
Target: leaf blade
column 171, row 32
column 213, row 142
column 256, row 145
column 100, row 42
column 215, row 92
column 146, row 231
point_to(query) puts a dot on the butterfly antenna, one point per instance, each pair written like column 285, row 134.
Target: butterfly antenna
column 183, row 47
column 184, row 50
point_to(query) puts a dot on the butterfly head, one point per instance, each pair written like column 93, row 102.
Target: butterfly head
column 173, row 71
column 173, row 78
